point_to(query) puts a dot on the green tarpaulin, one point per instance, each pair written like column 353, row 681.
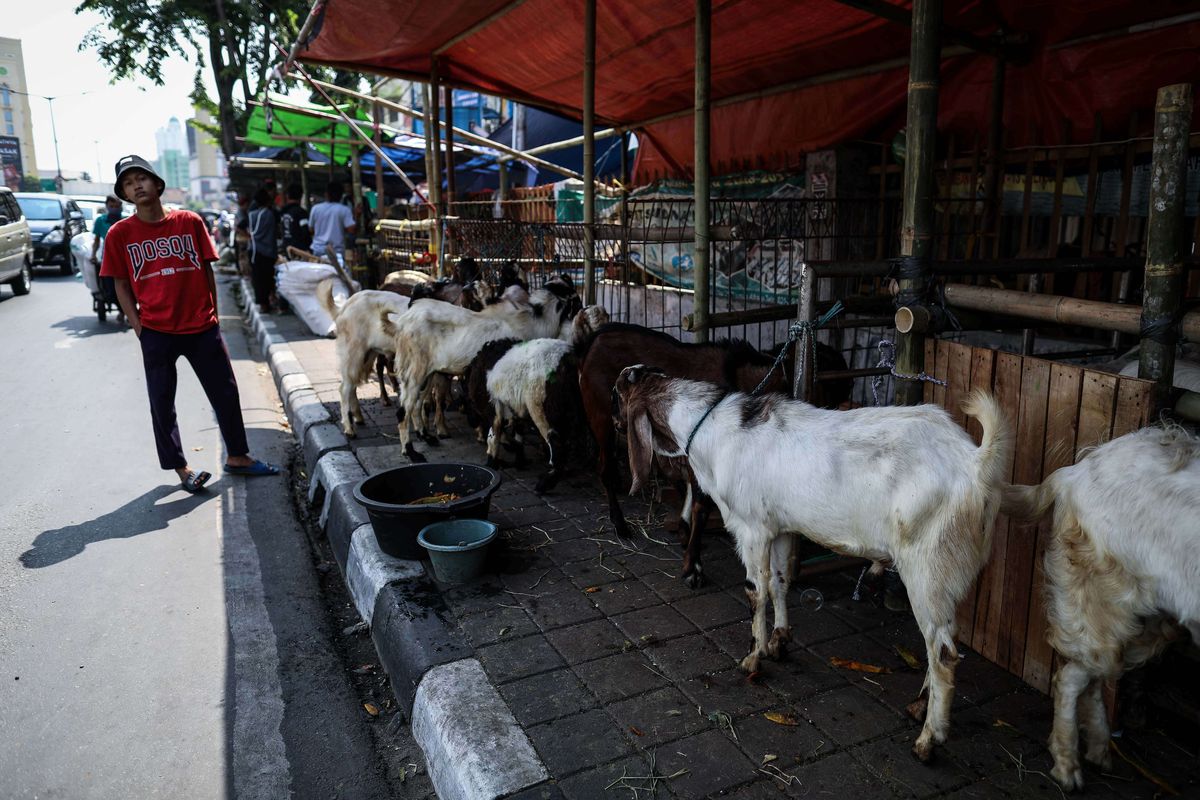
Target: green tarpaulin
column 285, row 122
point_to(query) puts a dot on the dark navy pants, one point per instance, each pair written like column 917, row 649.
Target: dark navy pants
column 209, row 357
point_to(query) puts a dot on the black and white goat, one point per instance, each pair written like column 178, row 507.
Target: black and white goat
column 1122, row 571
column 899, row 485
column 435, row 338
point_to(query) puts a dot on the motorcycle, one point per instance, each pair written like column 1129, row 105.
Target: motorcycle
column 104, row 295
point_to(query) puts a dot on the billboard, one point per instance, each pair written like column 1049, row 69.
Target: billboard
column 10, row 161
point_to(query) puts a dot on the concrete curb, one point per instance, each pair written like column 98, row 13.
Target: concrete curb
column 473, row 746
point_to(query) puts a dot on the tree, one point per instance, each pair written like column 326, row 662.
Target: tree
column 31, row 183
column 233, row 39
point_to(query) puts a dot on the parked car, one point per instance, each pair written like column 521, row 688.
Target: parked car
column 53, row 220
column 16, row 245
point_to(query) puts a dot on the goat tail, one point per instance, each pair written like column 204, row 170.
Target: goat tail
column 995, row 450
column 1027, row 503
column 325, row 298
column 386, row 325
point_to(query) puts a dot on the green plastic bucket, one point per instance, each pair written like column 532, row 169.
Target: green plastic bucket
column 457, row 548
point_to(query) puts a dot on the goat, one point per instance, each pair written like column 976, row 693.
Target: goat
column 539, row 379
column 436, row 337
column 904, row 485
column 360, row 340
column 733, row 364
column 1122, row 562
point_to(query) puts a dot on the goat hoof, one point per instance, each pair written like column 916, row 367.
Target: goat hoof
column 749, row 664
column 546, row 483
column 777, row 646
column 1102, row 761
column 917, row 708
column 923, row 750
column 1069, row 777
column 413, row 455
column 493, row 462
column 694, row 579
column 430, row 439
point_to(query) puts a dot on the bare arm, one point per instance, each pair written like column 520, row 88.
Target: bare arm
column 128, row 304
column 212, row 284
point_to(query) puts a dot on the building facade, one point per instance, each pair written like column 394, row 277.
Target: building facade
column 17, row 156
column 172, row 162
column 208, row 174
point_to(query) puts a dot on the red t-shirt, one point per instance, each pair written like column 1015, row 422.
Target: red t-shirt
column 164, row 262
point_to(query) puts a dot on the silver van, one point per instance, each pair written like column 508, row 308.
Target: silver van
column 16, row 245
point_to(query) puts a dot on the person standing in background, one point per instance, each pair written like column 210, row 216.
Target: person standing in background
column 331, row 221
column 293, row 222
column 115, row 210
column 263, row 225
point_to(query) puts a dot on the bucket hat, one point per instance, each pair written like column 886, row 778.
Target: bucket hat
column 126, row 163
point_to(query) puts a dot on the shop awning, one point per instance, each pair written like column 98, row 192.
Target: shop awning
column 787, row 77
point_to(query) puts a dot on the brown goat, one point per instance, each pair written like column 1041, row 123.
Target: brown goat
column 731, row 364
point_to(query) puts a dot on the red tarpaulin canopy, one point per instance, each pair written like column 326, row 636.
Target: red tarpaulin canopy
column 787, row 77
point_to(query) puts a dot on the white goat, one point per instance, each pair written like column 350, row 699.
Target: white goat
column 438, row 337
column 904, row 485
column 539, row 379
column 361, row 342
column 1122, row 563
column 360, row 339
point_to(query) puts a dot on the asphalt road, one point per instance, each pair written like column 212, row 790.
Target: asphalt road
column 154, row 643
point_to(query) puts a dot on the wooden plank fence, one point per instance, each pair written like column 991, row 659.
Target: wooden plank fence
column 1056, row 411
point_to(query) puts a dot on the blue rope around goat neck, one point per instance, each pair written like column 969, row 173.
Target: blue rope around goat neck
column 798, row 329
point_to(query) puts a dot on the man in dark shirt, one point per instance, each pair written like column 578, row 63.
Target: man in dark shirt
column 293, row 221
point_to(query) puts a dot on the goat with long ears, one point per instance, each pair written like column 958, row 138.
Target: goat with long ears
column 899, row 485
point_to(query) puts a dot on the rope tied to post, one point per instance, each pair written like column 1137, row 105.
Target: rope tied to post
column 801, row 328
column 887, row 360
column 1164, row 329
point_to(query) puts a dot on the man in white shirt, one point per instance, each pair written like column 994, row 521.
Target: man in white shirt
column 330, row 222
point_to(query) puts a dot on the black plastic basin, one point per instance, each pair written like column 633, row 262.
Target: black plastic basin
column 388, row 496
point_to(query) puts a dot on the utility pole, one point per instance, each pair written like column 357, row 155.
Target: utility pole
column 58, row 178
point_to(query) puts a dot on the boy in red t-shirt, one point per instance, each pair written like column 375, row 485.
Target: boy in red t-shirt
column 161, row 264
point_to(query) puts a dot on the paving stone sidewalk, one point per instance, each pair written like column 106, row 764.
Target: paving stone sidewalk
column 625, row 680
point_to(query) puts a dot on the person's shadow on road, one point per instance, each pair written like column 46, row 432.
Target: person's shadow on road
column 138, row 516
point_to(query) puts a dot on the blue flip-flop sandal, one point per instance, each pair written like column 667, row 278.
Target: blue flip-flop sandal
column 257, row 468
column 195, row 482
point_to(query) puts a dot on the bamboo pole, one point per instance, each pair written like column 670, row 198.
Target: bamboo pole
column 920, row 143
column 805, row 312
column 701, row 183
column 451, row 179
column 624, row 238
column 459, row 132
column 1165, row 240
column 354, row 126
column 589, row 151
column 433, row 178
column 377, row 118
column 550, row 147
column 435, row 132
column 1058, row 309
